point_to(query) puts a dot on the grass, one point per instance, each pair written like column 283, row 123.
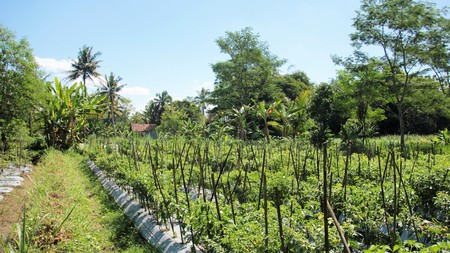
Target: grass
column 63, row 187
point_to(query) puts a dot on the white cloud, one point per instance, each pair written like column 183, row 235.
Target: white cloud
column 54, row 66
column 139, row 106
column 59, row 68
column 208, row 85
column 135, row 91
column 198, row 85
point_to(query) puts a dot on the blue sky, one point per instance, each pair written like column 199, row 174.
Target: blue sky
column 170, row 45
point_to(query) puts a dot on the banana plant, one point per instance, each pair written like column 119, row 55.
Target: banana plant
column 264, row 114
column 291, row 115
column 67, row 110
column 239, row 120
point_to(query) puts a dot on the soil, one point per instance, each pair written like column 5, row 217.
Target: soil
column 11, row 207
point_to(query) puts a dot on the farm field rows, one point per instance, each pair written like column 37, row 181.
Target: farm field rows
column 61, row 207
column 239, row 196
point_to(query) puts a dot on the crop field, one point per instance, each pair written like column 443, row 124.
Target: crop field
column 237, row 196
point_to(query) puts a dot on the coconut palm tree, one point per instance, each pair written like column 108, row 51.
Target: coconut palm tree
column 202, row 99
column 85, row 66
column 110, row 88
column 161, row 101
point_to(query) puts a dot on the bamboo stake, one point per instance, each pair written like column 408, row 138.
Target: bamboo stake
column 266, row 221
column 325, row 198
column 346, row 171
column 402, row 183
column 175, row 191
column 280, row 221
column 338, row 227
column 394, row 225
column 383, row 197
column 186, row 191
column 217, row 206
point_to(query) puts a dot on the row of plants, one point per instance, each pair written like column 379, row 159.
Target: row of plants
column 231, row 195
column 65, row 209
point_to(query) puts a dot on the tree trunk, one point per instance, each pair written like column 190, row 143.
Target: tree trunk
column 113, row 117
column 84, row 84
column 266, row 131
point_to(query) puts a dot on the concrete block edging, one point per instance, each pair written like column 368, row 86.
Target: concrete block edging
column 147, row 226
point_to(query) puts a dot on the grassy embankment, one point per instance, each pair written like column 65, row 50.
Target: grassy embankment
column 63, row 182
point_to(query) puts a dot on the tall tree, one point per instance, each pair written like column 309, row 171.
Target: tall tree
column 321, row 109
column 110, row 89
column 294, row 84
column 360, row 89
column 85, row 66
column 400, row 28
column 20, row 85
column 246, row 76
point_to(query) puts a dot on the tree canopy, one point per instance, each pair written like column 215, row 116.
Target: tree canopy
column 401, row 28
column 404, row 89
column 20, row 85
column 85, row 66
column 247, row 76
column 110, row 88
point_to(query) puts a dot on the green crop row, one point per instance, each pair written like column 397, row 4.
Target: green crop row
column 239, row 196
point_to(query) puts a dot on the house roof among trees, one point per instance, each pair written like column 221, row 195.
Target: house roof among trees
column 142, row 128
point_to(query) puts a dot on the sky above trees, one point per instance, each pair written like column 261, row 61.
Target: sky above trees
column 159, row 45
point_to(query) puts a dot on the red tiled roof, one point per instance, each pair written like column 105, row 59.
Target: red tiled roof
column 142, row 128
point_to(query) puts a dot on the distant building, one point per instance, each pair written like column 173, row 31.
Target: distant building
column 144, row 129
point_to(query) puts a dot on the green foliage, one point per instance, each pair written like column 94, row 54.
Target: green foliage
column 202, row 99
column 85, row 66
column 181, row 118
column 155, row 108
column 437, row 54
column 110, row 91
column 321, row 110
column 403, row 37
column 246, row 76
column 176, row 177
column 290, row 116
column 66, row 113
column 292, row 85
column 427, row 110
column 22, row 242
column 20, row 88
column 444, row 135
column 239, row 121
column 359, row 94
column 264, row 114
column 69, row 211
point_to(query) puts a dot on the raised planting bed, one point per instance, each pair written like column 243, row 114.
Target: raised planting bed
column 161, row 237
